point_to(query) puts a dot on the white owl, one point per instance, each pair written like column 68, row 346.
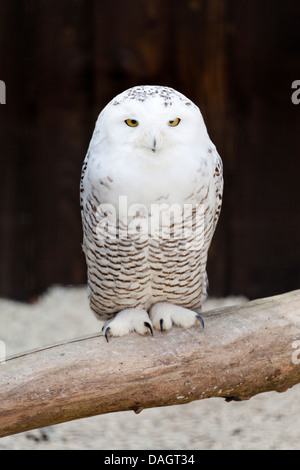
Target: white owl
column 151, row 194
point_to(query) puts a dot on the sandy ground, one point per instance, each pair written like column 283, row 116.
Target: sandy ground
column 267, row 421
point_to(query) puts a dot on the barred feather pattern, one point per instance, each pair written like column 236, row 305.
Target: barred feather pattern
column 139, row 271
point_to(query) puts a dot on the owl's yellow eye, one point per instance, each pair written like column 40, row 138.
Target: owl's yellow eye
column 174, row 122
column 132, row 122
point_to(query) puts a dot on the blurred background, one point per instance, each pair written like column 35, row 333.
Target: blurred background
column 62, row 61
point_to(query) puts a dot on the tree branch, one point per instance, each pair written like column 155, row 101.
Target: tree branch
column 243, row 350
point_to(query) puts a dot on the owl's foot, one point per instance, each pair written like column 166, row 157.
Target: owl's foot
column 129, row 319
column 164, row 314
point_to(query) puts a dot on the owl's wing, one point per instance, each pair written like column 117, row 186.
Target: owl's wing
column 218, row 181
column 84, row 167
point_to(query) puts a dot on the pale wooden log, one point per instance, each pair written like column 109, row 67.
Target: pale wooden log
column 243, row 350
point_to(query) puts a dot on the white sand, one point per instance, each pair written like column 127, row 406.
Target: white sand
column 267, row 421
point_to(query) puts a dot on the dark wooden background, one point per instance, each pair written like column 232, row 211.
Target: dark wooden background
column 62, row 61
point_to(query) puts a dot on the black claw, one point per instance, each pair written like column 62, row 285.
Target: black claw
column 149, row 326
column 106, row 331
column 200, row 320
column 161, row 322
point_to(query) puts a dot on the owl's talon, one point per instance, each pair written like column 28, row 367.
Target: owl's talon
column 106, row 331
column 200, row 320
column 128, row 320
column 164, row 314
column 149, row 326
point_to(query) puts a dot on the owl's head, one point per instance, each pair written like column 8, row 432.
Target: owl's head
column 150, row 121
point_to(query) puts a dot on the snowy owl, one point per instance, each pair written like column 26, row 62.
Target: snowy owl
column 151, row 194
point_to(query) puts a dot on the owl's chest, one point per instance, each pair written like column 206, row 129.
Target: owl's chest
column 179, row 183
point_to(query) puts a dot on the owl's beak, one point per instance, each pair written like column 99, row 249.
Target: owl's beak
column 154, row 145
